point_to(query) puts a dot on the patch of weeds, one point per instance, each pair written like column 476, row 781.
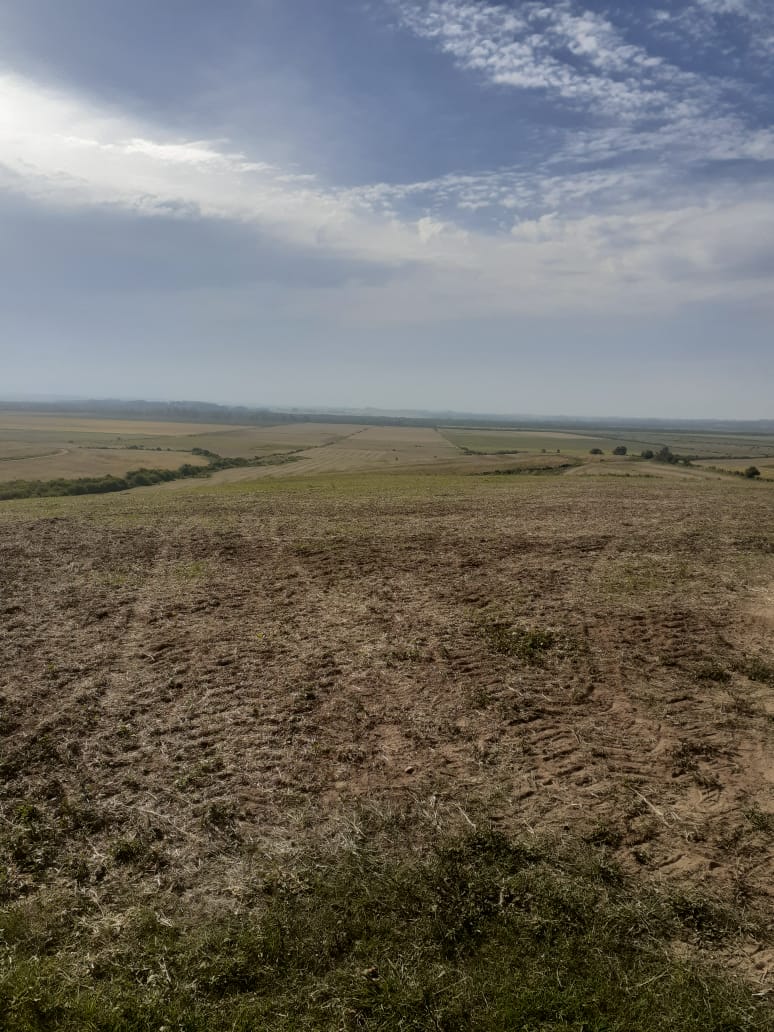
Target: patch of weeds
column 117, row 578
column 687, row 753
column 714, row 672
column 141, row 851
column 128, row 851
column 194, row 570
column 759, row 820
column 527, row 644
column 758, row 670
column 8, row 718
column 481, row 932
column 409, row 654
column 480, row 697
column 33, row 838
column 706, row 919
column 632, row 578
column 604, row 835
column 222, row 818
column 200, row 774
column 741, row 705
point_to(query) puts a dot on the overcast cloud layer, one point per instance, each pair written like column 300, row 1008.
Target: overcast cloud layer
column 516, row 207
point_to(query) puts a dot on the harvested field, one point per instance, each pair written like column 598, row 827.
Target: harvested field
column 245, row 442
column 527, row 440
column 22, row 430
column 368, row 448
column 289, row 649
column 47, row 447
column 45, row 433
column 764, row 465
column 204, row 692
column 58, row 423
column 91, row 462
column 718, row 444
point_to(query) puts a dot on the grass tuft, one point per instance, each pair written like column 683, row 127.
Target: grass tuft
column 528, row 644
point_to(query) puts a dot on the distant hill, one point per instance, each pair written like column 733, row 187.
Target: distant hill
column 209, row 412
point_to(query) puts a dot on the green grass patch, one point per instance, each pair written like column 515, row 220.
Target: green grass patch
column 481, row 933
column 527, row 644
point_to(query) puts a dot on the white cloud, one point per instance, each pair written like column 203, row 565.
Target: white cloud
column 592, row 242
column 570, row 53
column 67, row 150
column 702, row 26
column 743, row 8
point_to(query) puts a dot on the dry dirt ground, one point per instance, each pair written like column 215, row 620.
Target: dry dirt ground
column 195, row 676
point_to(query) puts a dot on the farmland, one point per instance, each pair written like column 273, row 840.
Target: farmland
column 732, row 465
column 88, row 462
column 330, row 744
column 488, row 441
column 45, row 446
column 715, row 444
column 48, row 446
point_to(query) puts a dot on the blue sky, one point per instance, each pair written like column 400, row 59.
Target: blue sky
column 514, row 207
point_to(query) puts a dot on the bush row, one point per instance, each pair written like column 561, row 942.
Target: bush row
column 134, row 478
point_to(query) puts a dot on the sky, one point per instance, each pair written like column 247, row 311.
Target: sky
column 515, row 207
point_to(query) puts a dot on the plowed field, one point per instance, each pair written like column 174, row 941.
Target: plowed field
column 244, row 666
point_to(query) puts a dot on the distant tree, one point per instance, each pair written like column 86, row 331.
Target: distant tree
column 752, row 472
column 620, row 450
column 666, row 454
column 647, row 454
column 596, row 451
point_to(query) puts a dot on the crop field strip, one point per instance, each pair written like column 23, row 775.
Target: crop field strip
column 21, row 427
column 528, row 440
column 61, row 423
column 577, row 443
column 91, row 462
column 765, row 465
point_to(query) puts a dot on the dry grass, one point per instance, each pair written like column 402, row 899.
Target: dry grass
column 46, row 447
column 58, row 423
column 765, row 465
column 245, row 442
column 92, row 462
column 529, row 441
column 370, row 448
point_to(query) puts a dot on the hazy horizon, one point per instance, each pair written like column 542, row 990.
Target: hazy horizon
column 437, row 205
column 63, row 403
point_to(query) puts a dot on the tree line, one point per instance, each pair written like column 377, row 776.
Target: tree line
column 143, row 477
